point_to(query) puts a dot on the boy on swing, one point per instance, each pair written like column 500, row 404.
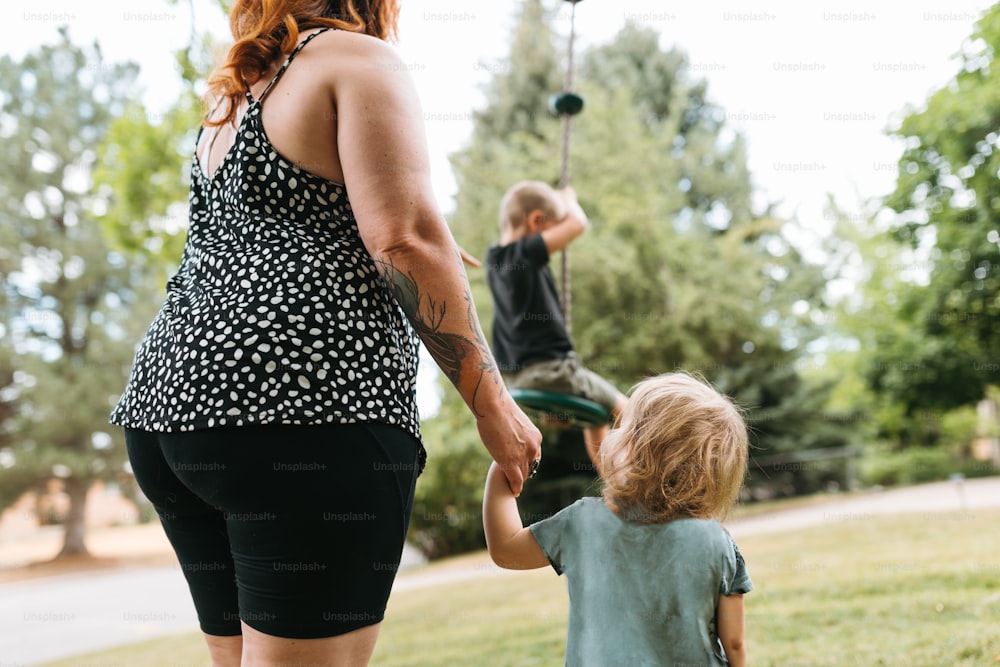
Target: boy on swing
column 530, row 341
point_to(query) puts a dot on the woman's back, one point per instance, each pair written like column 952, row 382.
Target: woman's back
column 277, row 312
column 300, row 118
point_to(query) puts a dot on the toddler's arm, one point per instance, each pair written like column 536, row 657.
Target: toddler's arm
column 511, row 545
column 732, row 631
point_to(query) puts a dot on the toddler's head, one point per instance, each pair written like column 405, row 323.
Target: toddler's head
column 680, row 450
column 527, row 199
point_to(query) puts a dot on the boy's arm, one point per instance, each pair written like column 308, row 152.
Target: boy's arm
column 511, row 545
column 563, row 232
column 732, row 631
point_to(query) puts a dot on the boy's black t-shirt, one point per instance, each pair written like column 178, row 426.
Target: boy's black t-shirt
column 528, row 324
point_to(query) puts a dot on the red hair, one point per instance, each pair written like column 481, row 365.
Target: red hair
column 264, row 30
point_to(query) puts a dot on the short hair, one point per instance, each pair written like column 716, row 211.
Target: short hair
column 526, row 196
column 680, row 450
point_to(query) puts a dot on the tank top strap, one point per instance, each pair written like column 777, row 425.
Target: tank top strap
column 288, row 60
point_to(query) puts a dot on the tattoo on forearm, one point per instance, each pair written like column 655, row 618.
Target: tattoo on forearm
column 454, row 352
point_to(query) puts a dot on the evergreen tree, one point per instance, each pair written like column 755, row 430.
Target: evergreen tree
column 512, row 138
column 676, row 271
column 517, row 96
column 513, row 134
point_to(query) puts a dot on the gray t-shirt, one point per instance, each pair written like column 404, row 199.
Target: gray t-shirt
column 641, row 594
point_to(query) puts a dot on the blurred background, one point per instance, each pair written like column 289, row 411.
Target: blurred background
column 799, row 202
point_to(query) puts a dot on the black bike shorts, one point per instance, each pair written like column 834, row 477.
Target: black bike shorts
column 295, row 530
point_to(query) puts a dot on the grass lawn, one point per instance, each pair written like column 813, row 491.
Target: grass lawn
column 920, row 590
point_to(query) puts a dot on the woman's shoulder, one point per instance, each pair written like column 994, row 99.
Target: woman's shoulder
column 348, row 46
column 344, row 60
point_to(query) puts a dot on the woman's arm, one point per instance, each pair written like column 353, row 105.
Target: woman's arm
column 732, row 630
column 383, row 151
column 511, row 545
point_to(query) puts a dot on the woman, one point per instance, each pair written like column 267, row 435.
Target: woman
column 271, row 415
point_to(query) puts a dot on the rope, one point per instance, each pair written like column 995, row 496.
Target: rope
column 567, row 123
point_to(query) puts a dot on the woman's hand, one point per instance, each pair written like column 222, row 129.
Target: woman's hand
column 512, row 440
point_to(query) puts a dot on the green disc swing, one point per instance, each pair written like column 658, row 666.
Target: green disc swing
column 547, row 406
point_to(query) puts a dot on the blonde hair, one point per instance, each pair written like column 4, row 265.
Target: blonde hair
column 522, row 198
column 680, row 450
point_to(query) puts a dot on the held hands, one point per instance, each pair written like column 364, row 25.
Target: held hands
column 508, row 435
column 513, row 442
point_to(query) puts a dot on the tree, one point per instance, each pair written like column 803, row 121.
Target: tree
column 879, row 360
column 68, row 299
column 677, row 269
column 143, row 163
column 142, row 175
column 948, row 198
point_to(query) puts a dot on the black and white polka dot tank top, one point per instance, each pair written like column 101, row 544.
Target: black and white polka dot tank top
column 276, row 313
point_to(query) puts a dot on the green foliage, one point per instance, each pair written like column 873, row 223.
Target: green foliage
column 8, row 391
column 676, row 270
column 947, row 450
column 517, row 97
column 143, row 173
column 948, row 198
column 144, row 161
column 447, row 509
column 909, row 466
column 959, row 429
column 68, row 299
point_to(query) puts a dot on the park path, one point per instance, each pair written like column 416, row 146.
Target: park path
column 956, row 497
column 56, row 617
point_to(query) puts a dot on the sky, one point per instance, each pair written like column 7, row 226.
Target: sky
column 812, row 86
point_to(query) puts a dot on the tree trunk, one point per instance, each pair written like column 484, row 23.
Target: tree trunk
column 986, row 444
column 76, row 525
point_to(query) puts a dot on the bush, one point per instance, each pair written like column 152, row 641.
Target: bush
column 447, row 509
column 909, row 466
column 980, row 469
column 767, row 480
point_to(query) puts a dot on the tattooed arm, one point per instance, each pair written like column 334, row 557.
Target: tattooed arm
column 383, row 152
column 452, row 351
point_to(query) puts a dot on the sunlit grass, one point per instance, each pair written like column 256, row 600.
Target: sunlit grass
column 920, row 590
